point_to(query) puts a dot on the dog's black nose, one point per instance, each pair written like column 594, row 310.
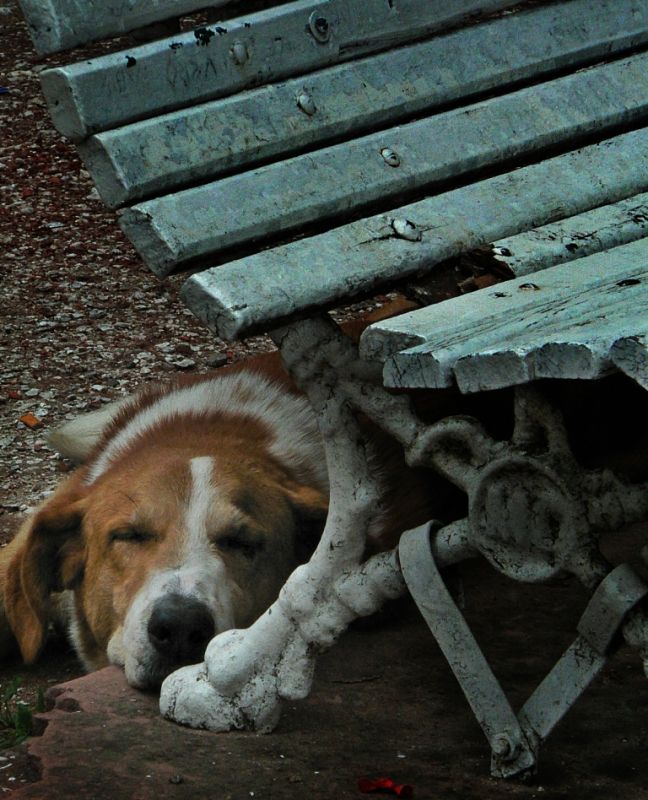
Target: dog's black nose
column 180, row 629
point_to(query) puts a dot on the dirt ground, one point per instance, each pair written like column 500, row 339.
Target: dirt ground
column 384, row 703
column 83, row 322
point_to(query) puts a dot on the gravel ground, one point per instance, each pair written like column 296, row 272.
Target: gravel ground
column 82, row 320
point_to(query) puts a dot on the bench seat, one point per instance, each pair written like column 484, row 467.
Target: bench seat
column 565, row 322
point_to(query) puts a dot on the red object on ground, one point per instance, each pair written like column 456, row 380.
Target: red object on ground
column 30, row 420
column 385, row 786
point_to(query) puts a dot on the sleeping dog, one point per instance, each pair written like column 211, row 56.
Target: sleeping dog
column 193, row 505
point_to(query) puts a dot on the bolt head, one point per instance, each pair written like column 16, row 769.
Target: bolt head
column 390, row 157
column 306, row 103
column 405, row 229
column 319, row 27
column 504, row 747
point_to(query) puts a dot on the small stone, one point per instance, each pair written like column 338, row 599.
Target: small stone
column 184, row 363
column 217, row 360
column 30, row 420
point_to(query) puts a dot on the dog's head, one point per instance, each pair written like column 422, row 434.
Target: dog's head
column 165, row 549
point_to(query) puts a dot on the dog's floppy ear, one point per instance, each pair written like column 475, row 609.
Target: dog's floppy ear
column 310, row 507
column 48, row 557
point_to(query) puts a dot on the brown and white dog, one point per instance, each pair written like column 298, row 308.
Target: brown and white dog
column 194, row 504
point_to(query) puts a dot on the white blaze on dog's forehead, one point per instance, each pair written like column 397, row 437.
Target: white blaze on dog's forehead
column 289, row 419
column 201, row 500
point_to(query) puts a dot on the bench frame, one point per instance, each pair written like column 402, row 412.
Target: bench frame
column 248, row 674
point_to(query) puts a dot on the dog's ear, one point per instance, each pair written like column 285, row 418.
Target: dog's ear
column 310, row 507
column 48, row 557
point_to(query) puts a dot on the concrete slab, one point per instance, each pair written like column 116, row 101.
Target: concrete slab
column 384, row 703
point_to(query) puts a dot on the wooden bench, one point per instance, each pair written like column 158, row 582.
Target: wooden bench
column 311, row 153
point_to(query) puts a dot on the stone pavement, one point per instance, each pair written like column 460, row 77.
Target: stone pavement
column 384, row 703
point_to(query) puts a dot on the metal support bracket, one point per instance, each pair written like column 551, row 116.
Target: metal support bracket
column 598, row 628
column 514, row 740
column 512, row 753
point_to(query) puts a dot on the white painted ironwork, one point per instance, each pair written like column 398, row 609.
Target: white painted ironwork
column 533, row 513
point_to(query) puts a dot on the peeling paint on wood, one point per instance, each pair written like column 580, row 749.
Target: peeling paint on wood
column 269, row 286
column 500, row 337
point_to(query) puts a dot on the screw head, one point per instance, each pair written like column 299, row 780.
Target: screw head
column 390, row 157
column 319, row 27
column 306, row 103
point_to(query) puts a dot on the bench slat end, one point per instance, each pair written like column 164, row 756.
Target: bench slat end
column 44, row 25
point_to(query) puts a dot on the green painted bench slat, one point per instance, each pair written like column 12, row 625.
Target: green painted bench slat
column 200, row 143
column 267, row 287
column 561, row 324
column 61, row 24
column 221, row 59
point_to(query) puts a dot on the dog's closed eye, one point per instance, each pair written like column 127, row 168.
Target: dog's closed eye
column 130, row 535
column 238, row 542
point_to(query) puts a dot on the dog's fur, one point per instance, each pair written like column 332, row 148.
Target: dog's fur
column 193, row 506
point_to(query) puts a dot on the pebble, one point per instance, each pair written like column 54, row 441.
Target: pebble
column 184, row 363
column 217, row 360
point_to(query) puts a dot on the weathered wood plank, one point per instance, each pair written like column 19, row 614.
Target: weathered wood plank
column 159, row 155
column 575, row 237
column 630, row 355
column 211, row 62
column 269, row 286
column 560, row 325
column 283, row 196
column 59, row 24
